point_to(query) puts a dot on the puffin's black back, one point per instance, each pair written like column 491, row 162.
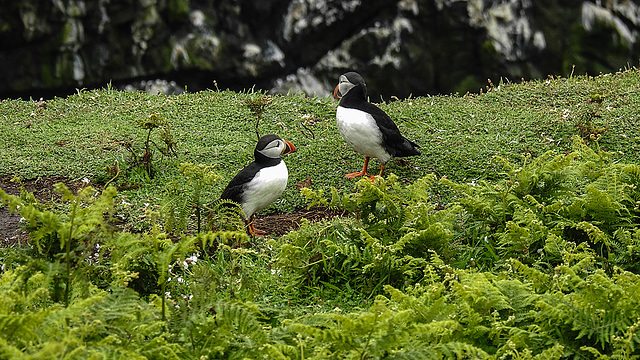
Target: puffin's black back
column 393, row 142
column 234, row 190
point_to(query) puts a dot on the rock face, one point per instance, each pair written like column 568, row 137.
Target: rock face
column 401, row 47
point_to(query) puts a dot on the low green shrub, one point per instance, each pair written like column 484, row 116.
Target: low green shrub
column 539, row 264
column 583, row 202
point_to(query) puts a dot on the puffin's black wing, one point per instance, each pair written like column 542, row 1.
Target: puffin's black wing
column 395, row 144
column 234, row 191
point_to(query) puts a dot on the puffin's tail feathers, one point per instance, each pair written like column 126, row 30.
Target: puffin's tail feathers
column 407, row 148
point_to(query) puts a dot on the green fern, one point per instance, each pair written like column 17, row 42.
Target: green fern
column 543, row 206
column 68, row 238
column 225, row 214
column 598, row 310
column 185, row 198
column 226, row 327
column 397, row 228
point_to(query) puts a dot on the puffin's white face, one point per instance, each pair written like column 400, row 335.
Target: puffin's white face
column 344, row 85
column 274, row 149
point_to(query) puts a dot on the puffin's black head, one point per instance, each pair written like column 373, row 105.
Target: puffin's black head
column 270, row 147
column 350, row 82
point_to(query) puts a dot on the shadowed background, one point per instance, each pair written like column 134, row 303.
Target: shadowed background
column 402, row 48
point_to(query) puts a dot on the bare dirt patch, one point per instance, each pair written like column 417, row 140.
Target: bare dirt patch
column 281, row 223
column 11, row 233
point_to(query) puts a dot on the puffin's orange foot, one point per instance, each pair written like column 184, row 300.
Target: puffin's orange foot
column 356, row 174
column 255, row 232
column 363, row 172
column 360, row 173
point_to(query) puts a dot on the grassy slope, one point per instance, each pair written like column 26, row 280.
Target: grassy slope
column 79, row 135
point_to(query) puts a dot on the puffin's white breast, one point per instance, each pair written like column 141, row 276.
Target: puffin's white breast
column 265, row 188
column 360, row 131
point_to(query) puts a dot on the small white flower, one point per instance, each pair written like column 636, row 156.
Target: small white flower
column 86, row 181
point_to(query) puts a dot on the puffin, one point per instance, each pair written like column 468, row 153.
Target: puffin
column 262, row 182
column 365, row 127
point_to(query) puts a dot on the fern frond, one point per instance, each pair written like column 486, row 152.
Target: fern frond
column 241, row 317
column 279, row 351
column 461, row 350
column 540, row 281
column 120, row 305
column 481, row 293
column 416, row 352
column 553, row 353
column 176, row 207
column 600, row 325
column 314, row 197
column 8, row 351
column 21, row 328
column 225, row 214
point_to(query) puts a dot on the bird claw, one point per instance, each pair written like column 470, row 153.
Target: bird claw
column 360, row 173
column 255, row 232
column 259, row 233
column 355, row 174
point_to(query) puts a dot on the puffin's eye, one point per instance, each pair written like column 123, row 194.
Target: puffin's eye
column 273, row 144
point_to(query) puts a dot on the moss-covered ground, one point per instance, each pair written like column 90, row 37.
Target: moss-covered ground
column 81, row 135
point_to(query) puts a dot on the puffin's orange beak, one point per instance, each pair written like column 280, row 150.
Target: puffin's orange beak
column 289, row 148
column 336, row 92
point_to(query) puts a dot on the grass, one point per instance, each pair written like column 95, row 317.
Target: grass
column 339, row 267
column 80, row 135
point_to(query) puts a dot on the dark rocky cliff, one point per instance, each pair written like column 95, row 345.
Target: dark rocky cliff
column 401, row 47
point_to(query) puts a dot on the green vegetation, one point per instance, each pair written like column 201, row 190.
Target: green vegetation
column 516, row 235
